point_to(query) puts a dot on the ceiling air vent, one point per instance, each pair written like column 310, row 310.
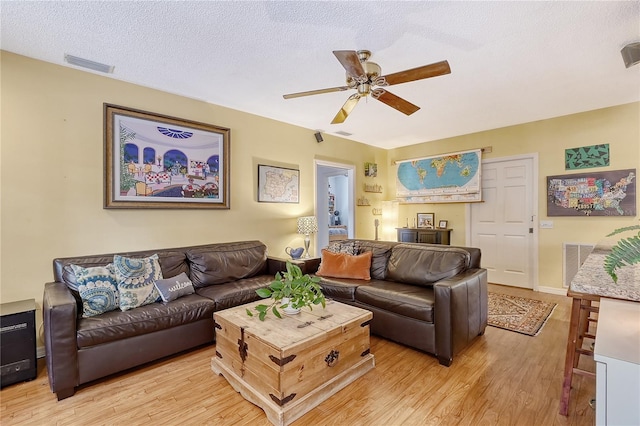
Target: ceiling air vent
column 343, row 133
column 85, row 63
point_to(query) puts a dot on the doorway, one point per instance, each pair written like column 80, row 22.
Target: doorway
column 334, row 193
column 503, row 225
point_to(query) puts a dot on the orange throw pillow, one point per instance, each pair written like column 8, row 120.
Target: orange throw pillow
column 343, row 265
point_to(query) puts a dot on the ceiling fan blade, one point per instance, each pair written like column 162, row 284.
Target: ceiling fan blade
column 346, row 109
column 316, row 92
column 350, row 61
column 433, row 70
column 394, row 101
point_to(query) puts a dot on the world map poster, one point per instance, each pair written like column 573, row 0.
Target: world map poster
column 610, row 193
column 446, row 178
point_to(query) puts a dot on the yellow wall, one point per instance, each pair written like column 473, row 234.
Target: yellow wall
column 618, row 126
column 52, row 174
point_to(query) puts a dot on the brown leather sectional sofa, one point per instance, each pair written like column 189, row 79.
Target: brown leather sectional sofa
column 430, row 297
column 79, row 350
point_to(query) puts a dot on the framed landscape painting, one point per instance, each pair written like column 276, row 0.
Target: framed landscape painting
column 157, row 161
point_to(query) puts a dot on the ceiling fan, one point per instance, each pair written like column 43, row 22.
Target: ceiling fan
column 365, row 77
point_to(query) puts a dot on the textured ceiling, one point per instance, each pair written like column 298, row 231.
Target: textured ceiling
column 512, row 62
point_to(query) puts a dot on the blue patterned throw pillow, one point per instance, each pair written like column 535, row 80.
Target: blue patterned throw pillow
column 97, row 288
column 135, row 279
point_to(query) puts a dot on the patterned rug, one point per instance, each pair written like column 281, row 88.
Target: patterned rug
column 519, row 314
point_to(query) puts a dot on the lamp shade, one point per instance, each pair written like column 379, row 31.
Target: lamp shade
column 307, row 225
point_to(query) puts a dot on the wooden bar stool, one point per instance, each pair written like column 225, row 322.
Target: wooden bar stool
column 583, row 313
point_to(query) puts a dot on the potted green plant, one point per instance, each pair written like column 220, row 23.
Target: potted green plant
column 290, row 291
column 625, row 252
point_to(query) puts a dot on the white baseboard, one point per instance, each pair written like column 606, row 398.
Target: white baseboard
column 40, row 352
column 553, row 290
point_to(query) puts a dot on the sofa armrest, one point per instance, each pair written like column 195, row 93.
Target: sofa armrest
column 461, row 309
column 59, row 312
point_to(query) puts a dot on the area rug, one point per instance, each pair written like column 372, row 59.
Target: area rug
column 519, row 314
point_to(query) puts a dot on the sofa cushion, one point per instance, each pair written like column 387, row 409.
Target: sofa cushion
column 343, row 265
column 174, row 288
column 135, row 280
column 97, row 288
column 341, row 289
column 412, row 301
column 380, row 257
column 222, row 263
column 236, row 292
column 118, row 325
column 425, row 264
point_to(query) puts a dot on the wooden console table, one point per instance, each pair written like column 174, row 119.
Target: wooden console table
column 424, row 235
column 587, row 287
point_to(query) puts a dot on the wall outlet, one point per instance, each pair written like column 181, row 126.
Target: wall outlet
column 546, row 224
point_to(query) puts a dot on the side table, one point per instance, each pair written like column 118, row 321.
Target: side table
column 17, row 342
column 308, row 265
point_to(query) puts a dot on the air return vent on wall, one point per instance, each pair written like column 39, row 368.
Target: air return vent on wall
column 573, row 256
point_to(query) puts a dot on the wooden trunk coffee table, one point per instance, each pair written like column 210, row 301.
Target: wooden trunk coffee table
column 288, row 366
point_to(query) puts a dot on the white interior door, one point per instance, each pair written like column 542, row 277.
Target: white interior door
column 502, row 225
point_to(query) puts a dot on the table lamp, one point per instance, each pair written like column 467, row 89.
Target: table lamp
column 307, row 225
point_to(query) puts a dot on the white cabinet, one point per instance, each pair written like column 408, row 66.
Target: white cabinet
column 617, row 356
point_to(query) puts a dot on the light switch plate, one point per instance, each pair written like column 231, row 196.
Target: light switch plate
column 546, row 224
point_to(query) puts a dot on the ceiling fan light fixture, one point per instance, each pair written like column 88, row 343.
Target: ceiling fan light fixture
column 365, row 76
column 86, row 63
column 364, row 89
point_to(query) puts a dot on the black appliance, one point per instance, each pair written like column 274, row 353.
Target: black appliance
column 17, row 342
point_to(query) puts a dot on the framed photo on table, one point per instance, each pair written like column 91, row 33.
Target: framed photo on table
column 426, row 220
column 442, row 224
column 157, row 161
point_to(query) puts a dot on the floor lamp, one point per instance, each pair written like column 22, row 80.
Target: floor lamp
column 307, row 225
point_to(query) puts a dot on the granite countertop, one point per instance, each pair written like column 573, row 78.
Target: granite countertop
column 593, row 279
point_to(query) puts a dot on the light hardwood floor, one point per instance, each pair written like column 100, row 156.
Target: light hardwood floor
column 504, row 378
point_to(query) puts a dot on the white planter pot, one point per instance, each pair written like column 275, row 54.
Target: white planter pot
column 289, row 310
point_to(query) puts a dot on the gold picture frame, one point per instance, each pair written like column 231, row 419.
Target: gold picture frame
column 161, row 162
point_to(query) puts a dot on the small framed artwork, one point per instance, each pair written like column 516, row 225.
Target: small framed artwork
column 442, row 224
column 370, row 169
column 278, row 184
column 162, row 162
column 426, row 220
